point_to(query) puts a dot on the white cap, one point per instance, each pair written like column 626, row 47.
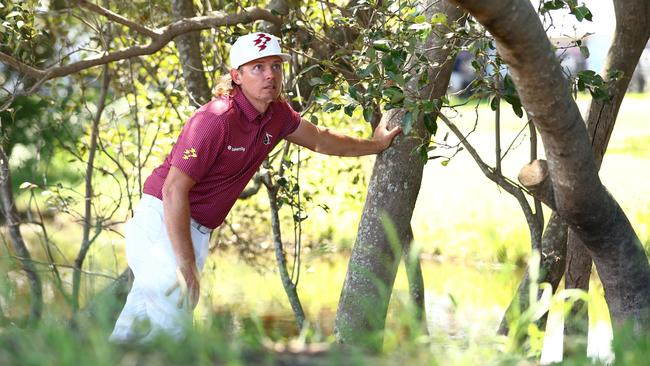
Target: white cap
column 253, row 46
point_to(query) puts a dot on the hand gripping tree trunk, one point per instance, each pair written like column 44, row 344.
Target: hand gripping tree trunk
column 189, row 52
column 630, row 37
column 581, row 199
column 392, row 193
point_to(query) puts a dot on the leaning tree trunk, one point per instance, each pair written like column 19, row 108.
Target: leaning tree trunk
column 13, row 224
column 189, row 52
column 630, row 37
column 392, row 192
column 581, row 199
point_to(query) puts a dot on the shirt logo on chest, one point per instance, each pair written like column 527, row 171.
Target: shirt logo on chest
column 236, row 149
column 267, row 138
column 189, row 153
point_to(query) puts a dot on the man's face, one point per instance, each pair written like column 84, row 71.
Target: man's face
column 260, row 80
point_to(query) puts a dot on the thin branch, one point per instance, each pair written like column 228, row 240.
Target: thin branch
column 59, row 265
column 500, row 180
column 118, row 18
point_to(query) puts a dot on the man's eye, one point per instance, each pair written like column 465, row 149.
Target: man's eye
column 276, row 67
column 257, row 67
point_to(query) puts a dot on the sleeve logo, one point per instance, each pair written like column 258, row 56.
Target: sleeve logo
column 189, row 153
column 261, row 41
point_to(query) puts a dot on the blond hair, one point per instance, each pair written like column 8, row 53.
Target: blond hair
column 226, row 87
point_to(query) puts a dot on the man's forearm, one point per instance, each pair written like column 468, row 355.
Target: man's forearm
column 335, row 143
column 177, row 221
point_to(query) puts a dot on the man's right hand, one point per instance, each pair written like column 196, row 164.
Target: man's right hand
column 187, row 280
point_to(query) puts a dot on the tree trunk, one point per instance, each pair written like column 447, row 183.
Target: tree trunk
column 392, row 192
column 581, row 199
column 189, row 52
column 13, row 224
column 630, row 37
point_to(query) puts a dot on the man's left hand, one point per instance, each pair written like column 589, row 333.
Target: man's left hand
column 383, row 136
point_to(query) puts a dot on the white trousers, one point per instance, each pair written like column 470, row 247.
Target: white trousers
column 148, row 310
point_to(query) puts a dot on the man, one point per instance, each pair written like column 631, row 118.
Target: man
column 218, row 151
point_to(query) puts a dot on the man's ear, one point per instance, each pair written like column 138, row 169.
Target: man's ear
column 234, row 75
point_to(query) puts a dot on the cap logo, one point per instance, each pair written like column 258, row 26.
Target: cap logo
column 261, row 41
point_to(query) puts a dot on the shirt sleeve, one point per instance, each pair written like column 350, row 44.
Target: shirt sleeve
column 292, row 123
column 199, row 144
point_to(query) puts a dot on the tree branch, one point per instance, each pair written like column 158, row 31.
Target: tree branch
column 535, row 177
column 21, row 67
column 163, row 36
column 118, row 18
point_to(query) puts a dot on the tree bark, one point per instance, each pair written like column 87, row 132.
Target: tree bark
column 630, row 37
column 189, row 52
column 13, row 224
column 392, row 192
column 581, row 199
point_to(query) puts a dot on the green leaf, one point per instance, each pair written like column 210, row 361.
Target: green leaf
column 331, row 107
column 349, row 109
column 508, row 83
column 423, row 152
column 394, row 94
column 614, row 74
column 407, row 122
column 600, row 94
column 420, row 19
column 553, row 5
column 430, row 123
column 584, row 50
column 352, row 90
column 328, row 78
column 367, row 113
column 381, row 45
column 314, row 119
column 517, row 109
column 427, row 106
column 370, row 69
column 439, row 18
column 494, row 103
column 581, row 12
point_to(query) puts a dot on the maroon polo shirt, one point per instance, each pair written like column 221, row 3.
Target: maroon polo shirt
column 221, row 147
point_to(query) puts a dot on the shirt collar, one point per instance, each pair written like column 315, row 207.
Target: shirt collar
column 245, row 105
